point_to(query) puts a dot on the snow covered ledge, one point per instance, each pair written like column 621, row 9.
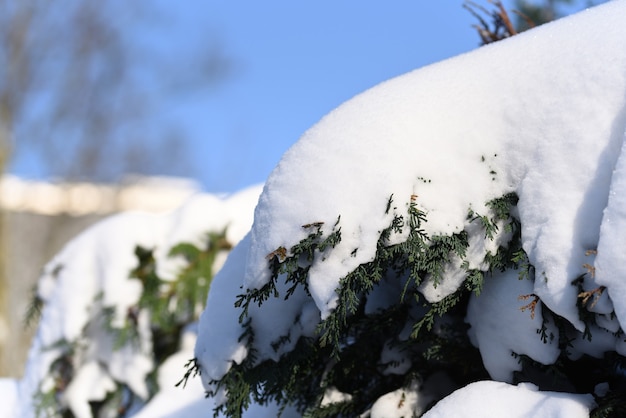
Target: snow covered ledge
column 542, row 114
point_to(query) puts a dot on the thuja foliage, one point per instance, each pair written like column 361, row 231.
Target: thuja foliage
column 293, row 265
column 347, row 353
column 170, row 305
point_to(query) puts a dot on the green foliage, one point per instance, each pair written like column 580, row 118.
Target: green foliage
column 294, row 266
column 346, row 354
column 48, row 401
column 170, row 305
column 192, row 369
column 608, row 370
column 33, row 311
column 571, row 373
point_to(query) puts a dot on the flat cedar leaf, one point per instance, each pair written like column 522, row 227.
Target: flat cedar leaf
column 187, row 250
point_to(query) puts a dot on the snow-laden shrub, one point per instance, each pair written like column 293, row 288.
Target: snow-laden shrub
column 399, row 319
column 459, row 223
column 120, row 301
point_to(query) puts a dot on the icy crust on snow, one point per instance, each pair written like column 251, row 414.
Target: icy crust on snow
column 495, row 400
column 92, row 272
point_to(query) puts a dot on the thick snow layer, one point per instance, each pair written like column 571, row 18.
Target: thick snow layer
column 221, row 312
column 542, row 114
column 609, row 263
column 503, row 323
column 407, row 402
column 173, row 401
column 8, row 397
column 495, row 400
column 92, row 272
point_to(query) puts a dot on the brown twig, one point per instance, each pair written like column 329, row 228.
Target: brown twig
column 500, row 26
column 529, row 22
column 531, row 306
column 596, row 293
column 280, row 253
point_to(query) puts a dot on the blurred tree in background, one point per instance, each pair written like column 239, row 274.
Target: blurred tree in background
column 77, row 84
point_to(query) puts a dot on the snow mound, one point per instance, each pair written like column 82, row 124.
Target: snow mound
column 542, row 114
column 500, row 327
column 495, row 400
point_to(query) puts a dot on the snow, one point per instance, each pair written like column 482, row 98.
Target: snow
column 490, row 399
column 542, row 114
column 90, row 382
column 500, row 327
column 406, row 401
column 412, row 400
column 169, row 399
column 220, row 308
column 8, row 395
column 609, row 262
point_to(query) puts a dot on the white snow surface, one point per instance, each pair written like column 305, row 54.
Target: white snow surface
column 92, row 271
column 8, row 396
column 490, row 399
column 500, row 327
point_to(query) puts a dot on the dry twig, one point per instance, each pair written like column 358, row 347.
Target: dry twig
column 500, row 26
column 531, row 306
column 596, row 293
